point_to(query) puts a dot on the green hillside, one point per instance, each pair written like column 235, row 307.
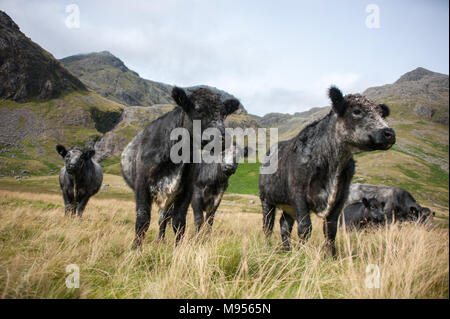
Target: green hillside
column 30, row 131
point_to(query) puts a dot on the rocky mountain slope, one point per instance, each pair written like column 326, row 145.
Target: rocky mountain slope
column 107, row 75
column 22, row 78
column 417, row 94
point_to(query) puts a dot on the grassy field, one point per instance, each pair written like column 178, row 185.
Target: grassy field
column 234, row 261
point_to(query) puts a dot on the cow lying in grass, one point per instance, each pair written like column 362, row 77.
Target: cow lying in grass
column 80, row 178
column 400, row 204
column 361, row 214
column 209, row 183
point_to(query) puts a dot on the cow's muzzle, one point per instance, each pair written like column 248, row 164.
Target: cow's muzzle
column 383, row 139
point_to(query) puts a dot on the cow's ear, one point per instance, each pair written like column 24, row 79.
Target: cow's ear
column 61, row 150
column 182, row 100
column 337, row 100
column 89, row 153
column 365, row 202
column 384, row 110
column 231, row 106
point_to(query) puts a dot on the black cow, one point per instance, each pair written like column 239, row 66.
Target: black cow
column 209, row 183
column 315, row 168
column 80, row 178
column 364, row 213
column 146, row 161
column 400, row 204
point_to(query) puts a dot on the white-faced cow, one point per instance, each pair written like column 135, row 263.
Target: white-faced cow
column 315, row 168
column 400, row 204
column 80, row 178
column 361, row 214
column 148, row 168
column 209, row 183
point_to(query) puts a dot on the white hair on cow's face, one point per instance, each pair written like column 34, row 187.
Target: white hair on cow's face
column 362, row 120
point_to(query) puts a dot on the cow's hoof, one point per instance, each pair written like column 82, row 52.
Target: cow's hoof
column 137, row 244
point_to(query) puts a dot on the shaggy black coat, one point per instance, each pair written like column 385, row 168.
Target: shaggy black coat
column 315, row 168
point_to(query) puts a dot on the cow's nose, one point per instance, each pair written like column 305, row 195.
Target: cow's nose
column 389, row 134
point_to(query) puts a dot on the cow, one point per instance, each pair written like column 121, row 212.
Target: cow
column 80, row 178
column 315, row 167
column 361, row 214
column 209, row 183
column 146, row 161
column 400, row 204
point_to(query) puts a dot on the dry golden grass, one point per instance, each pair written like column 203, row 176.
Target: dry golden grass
column 234, row 261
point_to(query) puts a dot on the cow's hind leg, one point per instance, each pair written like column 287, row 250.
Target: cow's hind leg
column 268, row 217
column 143, row 208
column 286, row 224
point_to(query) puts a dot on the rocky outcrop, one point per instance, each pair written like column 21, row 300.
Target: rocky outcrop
column 419, row 94
column 27, row 71
column 107, row 75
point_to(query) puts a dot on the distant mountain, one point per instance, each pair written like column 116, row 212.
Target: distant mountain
column 27, row 71
column 107, row 75
column 417, row 94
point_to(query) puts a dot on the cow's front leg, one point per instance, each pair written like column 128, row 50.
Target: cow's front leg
column 198, row 213
column 69, row 202
column 329, row 230
column 70, row 209
column 210, row 220
column 82, row 205
column 268, row 217
column 180, row 208
column 331, row 222
column 301, row 212
column 286, row 224
column 164, row 216
column 143, row 208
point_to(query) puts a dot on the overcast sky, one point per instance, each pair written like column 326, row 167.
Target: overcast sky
column 275, row 56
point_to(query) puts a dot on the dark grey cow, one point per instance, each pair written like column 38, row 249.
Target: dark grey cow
column 364, row 213
column 147, row 166
column 209, row 183
column 400, row 204
column 315, row 168
column 80, row 178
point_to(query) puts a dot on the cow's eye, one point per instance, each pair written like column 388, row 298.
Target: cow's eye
column 357, row 112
